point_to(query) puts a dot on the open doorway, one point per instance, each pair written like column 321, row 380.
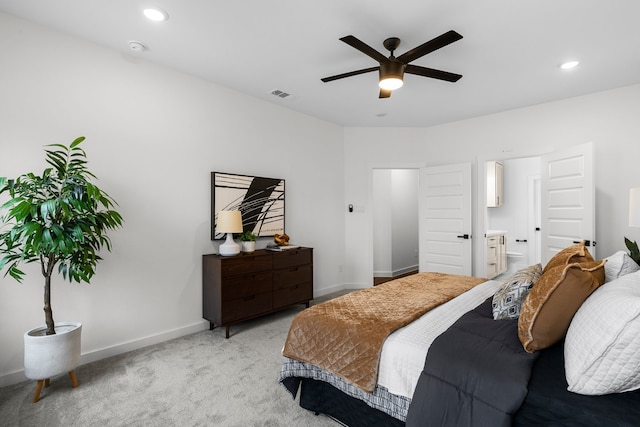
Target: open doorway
column 566, row 201
column 519, row 215
column 395, row 223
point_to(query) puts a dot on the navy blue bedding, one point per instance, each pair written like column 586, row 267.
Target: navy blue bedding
column 476, row 374
column 550, row 404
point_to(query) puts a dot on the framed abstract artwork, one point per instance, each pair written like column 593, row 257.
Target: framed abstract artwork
column 259, row 199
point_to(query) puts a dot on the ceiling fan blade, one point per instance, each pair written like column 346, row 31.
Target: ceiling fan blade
column 364, row 48
column 428, row 47
column 384, row 93
column 349, row 74
column 433, row 73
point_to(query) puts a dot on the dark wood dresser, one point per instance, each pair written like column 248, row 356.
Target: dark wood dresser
column 244, row 286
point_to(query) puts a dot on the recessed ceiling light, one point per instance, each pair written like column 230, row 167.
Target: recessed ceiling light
column 156, row 14
column 569, row 65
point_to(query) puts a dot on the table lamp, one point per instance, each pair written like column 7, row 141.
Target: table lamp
column 229, row 222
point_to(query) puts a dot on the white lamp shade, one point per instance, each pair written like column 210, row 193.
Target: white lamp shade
column 229, row 222
column 634, row 207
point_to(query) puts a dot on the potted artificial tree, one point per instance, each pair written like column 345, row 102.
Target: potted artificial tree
column 59, row 220
column 248, row 241
column 634, row 253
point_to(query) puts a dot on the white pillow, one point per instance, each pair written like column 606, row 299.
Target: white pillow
column 602, row 347
column 619, row 264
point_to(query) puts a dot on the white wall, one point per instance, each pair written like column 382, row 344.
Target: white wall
column 153, row 137
column 608, row 119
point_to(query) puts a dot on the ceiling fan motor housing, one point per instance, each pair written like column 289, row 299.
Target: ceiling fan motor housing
column 392, row 69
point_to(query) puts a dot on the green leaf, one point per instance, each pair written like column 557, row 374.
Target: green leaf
column 77, row 141
column 634, row 252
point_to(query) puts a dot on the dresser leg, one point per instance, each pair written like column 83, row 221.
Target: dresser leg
column 227, row 332
column 211, row 326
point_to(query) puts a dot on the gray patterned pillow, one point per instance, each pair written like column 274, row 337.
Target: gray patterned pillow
column 509, row 298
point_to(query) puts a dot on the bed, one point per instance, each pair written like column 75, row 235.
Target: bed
column 457, row 364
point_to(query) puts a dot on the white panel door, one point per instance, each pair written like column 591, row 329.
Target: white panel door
column 567, row 200
column 445, row 219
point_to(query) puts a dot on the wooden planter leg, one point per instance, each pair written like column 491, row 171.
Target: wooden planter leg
column 36, row 396
column 74, row 379
column 46, row 382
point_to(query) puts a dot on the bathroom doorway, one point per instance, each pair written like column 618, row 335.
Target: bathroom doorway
column 519, row 216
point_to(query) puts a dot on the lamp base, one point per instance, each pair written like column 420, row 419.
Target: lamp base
column 229, row 247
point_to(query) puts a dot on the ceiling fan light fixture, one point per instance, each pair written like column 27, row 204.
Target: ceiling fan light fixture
column 391, row 83
column 391, row 75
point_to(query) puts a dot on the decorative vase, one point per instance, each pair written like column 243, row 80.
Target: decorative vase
column 248, row 246
column 46, row 356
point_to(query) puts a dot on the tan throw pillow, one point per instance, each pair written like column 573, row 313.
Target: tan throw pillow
column 547, row 311
column 574, row 253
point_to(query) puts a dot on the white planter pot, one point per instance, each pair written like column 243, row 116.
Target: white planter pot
column 248, row 246
column 46, row 356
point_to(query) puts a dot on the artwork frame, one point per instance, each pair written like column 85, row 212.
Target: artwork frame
column 261, row 201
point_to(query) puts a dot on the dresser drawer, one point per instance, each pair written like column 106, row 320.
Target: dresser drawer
column 245, row 286
column 249, row 306
column 245, row 264
column 292, row 295
column 292, row 257
column 286, row 277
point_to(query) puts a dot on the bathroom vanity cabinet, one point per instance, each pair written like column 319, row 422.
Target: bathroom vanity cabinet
column 496, row 253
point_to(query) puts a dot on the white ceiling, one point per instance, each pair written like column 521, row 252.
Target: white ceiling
column 509, row 55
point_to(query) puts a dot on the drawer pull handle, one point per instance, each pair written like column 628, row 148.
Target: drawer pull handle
column 249, row 298
column 294, row 269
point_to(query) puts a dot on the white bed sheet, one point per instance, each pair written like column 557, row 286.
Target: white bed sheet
column 404, row 351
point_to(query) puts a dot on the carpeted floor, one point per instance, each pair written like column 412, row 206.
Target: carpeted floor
column 197, row 380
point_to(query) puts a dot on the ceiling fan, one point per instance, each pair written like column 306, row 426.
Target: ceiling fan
column 392, row 69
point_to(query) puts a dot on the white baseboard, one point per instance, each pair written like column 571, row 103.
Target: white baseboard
column 385, row 273
column 12, row 378
column 103, row 353
column 404, row 270
column 325, row 291
column 396, row 272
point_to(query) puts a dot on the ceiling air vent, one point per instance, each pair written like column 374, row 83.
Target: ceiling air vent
column 279, row 93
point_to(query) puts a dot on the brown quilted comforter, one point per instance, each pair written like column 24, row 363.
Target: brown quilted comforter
column 345, row 335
